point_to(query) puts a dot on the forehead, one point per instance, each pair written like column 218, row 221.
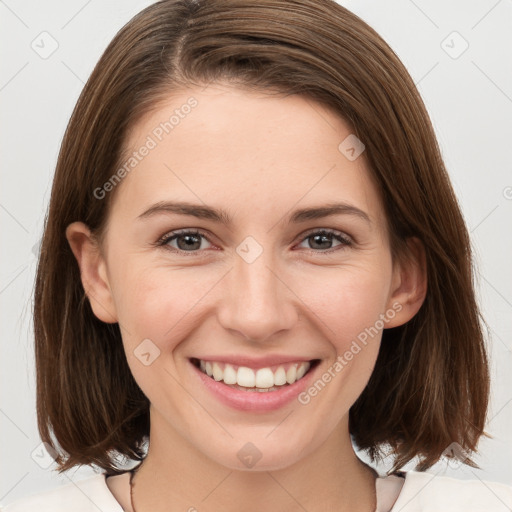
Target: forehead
column 244, row 151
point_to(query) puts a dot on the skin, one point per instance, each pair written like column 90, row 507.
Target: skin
column 259, row 158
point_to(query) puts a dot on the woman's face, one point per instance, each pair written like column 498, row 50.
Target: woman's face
column 256, row 285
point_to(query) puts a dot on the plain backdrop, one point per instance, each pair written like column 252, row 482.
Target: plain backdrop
column 459, row 53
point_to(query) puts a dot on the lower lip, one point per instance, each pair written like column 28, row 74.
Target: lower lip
column 254, row 401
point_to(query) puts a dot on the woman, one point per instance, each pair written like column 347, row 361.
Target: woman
column 253, row 259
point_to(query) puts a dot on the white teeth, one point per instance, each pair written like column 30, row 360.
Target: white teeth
column 245, row 377
column 280, row 377
column 229, row 375
column 291, row 374
column 217, row 372
column 301, row 370
column 262, row 380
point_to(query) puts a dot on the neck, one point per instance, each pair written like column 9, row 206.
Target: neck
column 175, row 476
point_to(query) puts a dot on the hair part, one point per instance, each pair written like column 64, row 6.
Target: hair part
column 430, row 384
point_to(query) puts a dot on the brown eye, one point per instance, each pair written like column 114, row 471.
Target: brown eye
column 186, row 241
column 321, row 241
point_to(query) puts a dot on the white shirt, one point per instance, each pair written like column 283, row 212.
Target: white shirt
column 417, row 492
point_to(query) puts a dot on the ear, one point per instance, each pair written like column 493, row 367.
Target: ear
column 409, row 284
column 93, row 271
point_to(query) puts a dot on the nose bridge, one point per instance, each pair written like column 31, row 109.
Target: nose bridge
column 257, row 303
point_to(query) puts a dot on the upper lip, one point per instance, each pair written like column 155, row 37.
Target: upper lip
column 255, row 362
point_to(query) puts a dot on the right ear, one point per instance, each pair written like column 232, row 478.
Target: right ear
column 93, row 271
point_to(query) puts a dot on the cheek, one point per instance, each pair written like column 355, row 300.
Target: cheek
column 346, row 306
column 347, row 301
column 158, row 303
column 157, row 309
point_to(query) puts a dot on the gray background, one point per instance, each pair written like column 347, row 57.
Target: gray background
column 468, row 92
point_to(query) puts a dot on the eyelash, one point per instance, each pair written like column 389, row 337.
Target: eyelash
column 345, row 240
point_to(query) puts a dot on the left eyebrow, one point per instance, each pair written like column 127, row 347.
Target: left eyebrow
column 327, row 210
column 221, row 216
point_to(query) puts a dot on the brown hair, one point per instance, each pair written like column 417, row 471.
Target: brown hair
column 430, row 384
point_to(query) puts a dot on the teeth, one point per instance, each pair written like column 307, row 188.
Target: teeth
column 301, row 370
column 291, row 374
column 263, row 379
column 245, row 377
column 217, row 373
column 230, row 376
column 256, row 390
column 280, row 377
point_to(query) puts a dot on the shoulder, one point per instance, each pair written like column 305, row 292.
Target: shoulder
column 428, row 492
column 87, row 495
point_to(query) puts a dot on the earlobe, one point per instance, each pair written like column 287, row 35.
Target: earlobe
column 93, row 271
column 409, row 287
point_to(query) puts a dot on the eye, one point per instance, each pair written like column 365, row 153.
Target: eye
column 324, row 237
column 187, row 240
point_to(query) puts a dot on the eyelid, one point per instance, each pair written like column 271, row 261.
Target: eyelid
column 329, row 231
column 184, row 231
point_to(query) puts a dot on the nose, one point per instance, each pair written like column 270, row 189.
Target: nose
column 257, row 301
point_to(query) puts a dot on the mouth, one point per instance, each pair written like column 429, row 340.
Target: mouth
column 261, row 380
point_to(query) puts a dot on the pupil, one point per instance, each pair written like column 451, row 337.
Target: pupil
column 325, row 239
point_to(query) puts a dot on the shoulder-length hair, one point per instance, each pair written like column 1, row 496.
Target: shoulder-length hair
column 430, row 384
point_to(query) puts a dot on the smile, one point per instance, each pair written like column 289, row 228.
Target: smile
column 271, row 378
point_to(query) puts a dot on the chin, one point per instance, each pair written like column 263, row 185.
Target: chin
column 261, row 454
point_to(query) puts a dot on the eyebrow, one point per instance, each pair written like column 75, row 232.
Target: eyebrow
column 221, row 216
